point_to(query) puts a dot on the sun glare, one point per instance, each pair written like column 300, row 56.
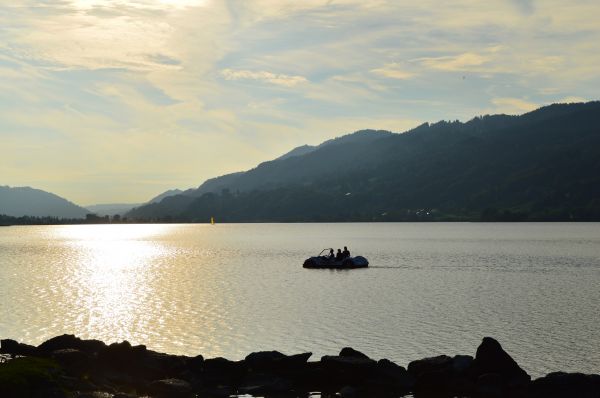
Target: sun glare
column 115, row 264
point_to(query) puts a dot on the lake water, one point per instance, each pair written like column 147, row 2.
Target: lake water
column 230, row 289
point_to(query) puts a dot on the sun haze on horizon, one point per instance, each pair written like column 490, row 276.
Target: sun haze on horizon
column 118, row 100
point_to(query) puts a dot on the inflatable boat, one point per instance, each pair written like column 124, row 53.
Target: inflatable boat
column 323, row 261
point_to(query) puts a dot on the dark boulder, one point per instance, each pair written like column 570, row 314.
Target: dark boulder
column 72, row 360
column 351, row 352
column 221, row 371
column 265, row 384
column 442, row 374
column 348, row 392
column 31, row 377
column 296, row 362
column 277, row 362
column 195, row 364
column 566, row 385
column 491, row 385
column 67, row 341
column 170, row 388
column 427, row 365
column 491, row 358
column 122, row 356
column 94, row 394
column 155, row 365
column 12, row 347
column 395, row 376
column 340, row 371
column 263, row 360
column 354, row 365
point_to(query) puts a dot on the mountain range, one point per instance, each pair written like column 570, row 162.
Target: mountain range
column 543, row 165
column 26, row 201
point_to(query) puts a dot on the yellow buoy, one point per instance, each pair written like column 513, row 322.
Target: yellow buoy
column 212, row 221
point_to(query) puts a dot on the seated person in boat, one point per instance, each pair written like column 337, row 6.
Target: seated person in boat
column 331, row 255
column 346, row 252
column 339, row 256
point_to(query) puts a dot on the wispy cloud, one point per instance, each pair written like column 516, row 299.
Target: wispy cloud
column 393, row 71
column 263, row 76
column 460, row 62
column 186, row 81
column 513, row 105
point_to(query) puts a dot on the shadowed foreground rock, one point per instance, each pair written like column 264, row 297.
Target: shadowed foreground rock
column 69, row 367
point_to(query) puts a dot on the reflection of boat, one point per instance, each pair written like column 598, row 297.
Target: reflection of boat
column 322, row 261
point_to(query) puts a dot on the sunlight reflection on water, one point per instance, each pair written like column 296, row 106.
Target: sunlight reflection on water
column 227, row 290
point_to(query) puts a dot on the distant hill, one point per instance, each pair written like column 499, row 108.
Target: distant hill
column 170, row 192
column 288, row 168
column 26, row 201
column 543, row 165
column 111, row 209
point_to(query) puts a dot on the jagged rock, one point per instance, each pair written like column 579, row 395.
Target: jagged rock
column 348, row 392
column 196, row 364
column 491, row 385
column 431, row 364
column 218, row 391
column 221, row 371
column 122, row 357
column 442, row 374
column 170, row 388
column 95, row 394
column 156, row 365
column 265, row 384
column 351, row 352
column 294, row 362
column 263, row 359
column 337, row 371
column 31, row 377
column 276, row 361
column 12, row 347
column 394, row 375
column 566, row 385
column 70, row 341
column 351, row 364
column 491, row 358
column 461, row 364
column 72, row 360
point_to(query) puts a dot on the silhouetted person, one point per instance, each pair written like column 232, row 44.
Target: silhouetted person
column 346, row 252
column 339, row 255
column 331, row 255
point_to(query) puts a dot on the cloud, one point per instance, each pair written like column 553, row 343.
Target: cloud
column 571, row 99
column 204, row 87
column 460, row 62
column 513, row 105
column 525, row 6
column 264, row 76
column 393, row 71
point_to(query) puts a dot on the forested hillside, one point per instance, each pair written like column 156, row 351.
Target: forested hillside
column 543, row 165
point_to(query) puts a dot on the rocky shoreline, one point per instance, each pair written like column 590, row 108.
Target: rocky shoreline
column 68, row 367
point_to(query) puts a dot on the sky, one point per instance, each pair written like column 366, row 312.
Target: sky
column 116, row 101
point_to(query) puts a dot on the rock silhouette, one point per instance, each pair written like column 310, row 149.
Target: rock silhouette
column 68, row 367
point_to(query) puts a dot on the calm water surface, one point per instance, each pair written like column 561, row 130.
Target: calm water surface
column 228, row 290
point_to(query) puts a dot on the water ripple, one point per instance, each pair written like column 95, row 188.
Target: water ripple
column 228, row 290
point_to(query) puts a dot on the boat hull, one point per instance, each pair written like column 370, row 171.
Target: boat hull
column 347, row 263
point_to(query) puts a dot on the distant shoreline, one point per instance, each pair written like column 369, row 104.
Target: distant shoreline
column 141, row 222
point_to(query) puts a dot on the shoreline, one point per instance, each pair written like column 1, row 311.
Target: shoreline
column 68, row 367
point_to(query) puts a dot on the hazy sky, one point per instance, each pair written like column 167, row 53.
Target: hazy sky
column 118, row 100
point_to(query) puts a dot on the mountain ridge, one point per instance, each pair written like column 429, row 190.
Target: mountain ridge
column 27, row 201
column 518, row 166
